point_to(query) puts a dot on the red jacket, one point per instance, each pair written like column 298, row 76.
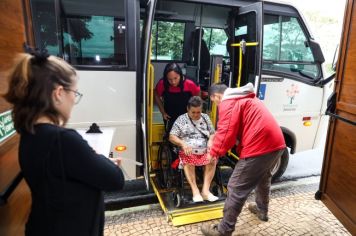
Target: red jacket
column 244, row 118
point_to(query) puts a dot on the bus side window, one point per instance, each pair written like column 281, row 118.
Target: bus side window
column 86, row 39
column 167, row 40
column 285, row 48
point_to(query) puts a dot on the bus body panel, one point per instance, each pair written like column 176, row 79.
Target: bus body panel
column 109, row 96
column 290, row 102
column 110, row 101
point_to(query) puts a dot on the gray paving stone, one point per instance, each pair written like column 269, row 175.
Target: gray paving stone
column 294, row 214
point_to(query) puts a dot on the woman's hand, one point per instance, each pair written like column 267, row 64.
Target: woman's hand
column 210, row 142
column 187, row 149
column 165, row 116
column 117, row 160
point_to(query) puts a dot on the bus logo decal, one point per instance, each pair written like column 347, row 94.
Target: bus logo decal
column 294, row 90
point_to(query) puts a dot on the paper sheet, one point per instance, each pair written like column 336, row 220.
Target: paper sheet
column 100, row 142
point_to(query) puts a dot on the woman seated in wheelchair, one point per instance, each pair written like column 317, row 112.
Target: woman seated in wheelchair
column 193, row 133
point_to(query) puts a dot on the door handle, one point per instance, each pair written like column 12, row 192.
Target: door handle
column 341, row 118
column 331, row 108
column 10, row 188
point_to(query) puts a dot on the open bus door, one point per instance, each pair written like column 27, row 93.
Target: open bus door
column 146, row 76
column 337, row 186
column 246, row 28
column 250, row 15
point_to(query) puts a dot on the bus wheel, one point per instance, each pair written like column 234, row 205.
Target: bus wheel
column 281, row 166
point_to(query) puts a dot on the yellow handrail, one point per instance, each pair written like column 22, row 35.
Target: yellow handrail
column 151, row 80
column 242, row 46
column 230, row 153
column 215, row 80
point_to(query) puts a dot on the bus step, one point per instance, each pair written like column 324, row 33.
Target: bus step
column 133, row 194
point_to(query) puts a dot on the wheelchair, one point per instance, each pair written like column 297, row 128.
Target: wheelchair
column 170, row 176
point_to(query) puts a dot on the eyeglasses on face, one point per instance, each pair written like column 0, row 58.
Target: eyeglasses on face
column 77, row 95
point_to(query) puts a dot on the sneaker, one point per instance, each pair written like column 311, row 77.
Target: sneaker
column 212, row 230
column 252, row 207
column 210, row 197
column 198, row 198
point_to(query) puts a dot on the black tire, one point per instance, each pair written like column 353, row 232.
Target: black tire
column 164, row 161
column 217, row 190
column 177, row 199
column 281, row 166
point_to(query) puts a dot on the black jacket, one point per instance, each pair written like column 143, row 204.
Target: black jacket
column 66, row 178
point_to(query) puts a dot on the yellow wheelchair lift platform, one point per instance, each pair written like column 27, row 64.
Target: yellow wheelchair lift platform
column 187, row 213
column 190, row 213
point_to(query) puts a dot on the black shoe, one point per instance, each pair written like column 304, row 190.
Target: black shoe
column 212, row 230
column 252, row 207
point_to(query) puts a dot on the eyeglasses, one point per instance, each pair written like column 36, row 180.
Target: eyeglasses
column 77, row 95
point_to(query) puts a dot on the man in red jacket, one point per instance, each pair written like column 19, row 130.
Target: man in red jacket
column 244, row 120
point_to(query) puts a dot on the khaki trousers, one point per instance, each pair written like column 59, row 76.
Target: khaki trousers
column 249, row 174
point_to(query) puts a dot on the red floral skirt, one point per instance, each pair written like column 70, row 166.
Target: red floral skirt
column 194, row 159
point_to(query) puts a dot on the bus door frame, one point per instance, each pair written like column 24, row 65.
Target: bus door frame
column 258, row 9
column 150, row 9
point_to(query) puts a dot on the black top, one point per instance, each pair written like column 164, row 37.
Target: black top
column 175, row 104
column 66, row 178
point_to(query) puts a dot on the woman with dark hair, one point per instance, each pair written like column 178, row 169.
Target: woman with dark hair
column 172, row 93
column 65, row 175
column 193, row 133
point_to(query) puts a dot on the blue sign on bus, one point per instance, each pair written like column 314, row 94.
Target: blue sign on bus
column 262, row 92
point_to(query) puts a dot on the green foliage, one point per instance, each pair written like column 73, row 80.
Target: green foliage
column 45, row 18
column 285, row 45
column 79, row 30
column 214, row 37
column 169, row 44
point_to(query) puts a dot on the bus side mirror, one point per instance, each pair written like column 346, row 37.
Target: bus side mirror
column 316, row 50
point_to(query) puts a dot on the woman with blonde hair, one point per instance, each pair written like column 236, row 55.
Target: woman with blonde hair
column 65, row 175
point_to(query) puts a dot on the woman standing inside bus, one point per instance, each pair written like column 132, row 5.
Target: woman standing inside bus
column 172, row 94
column 65, row 175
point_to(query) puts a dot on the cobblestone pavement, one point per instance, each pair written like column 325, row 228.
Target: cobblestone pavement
column 293, row 213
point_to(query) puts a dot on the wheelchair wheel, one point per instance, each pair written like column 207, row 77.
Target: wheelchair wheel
column 177, row 199
column 164, row 161
column 217, row 190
